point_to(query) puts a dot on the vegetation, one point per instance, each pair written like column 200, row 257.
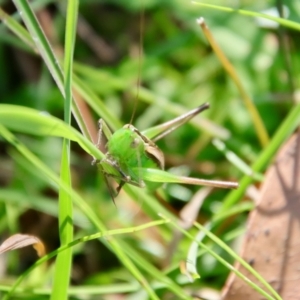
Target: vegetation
column 145, row 246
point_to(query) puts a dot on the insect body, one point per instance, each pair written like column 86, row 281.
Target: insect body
column 129, row 151
column 133, row 157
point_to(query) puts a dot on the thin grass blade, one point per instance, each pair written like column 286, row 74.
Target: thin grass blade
column 63, row 263
column 281, row 21
column 51, row 177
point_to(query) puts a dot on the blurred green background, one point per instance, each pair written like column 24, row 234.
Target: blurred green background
column 179, row 71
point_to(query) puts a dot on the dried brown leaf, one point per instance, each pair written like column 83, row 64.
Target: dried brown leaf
column 18, row 240
column 271, row 243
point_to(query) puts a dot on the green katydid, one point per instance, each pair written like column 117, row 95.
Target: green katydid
column 133, row 157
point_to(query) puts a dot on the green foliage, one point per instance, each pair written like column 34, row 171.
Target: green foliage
column 179, row 72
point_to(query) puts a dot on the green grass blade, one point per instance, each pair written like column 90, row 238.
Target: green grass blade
column 108, row 233
column 104, row 234
column 225, row 263
column 237, row 209
column 161, row 278
column 291, row 122
column 16, row 28
column 47, row 54
column 218, row 241
column 70, row 36
column 236, row 161
column 283, row 22
column 41, row 42
column 31, row 121
column 89, row 290
column 63, row 263
column 52, row 178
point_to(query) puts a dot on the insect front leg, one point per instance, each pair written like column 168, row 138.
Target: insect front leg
column 103, row 130
column 110, row 168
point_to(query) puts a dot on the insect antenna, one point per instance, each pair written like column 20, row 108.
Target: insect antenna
column 139, row 75
column 140, row 60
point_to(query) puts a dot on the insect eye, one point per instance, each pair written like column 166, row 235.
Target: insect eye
column 135, row 143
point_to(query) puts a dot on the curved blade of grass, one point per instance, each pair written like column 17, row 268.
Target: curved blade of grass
column 117, row 246
column 226, row 248
column 89, row 290
column 41, row 42
column 236, row 161
column 50, row 176
column 162, row 280
column 139, row 259
column 40, row 203
column 107, row 233
column 31, row 121
column 46, row 52
column 87, row 94
column 17, row 29
column 84, row 91
column 28, row 120
column 225, row 263
column 237, row 209
column 290, row 123
column 283, row 22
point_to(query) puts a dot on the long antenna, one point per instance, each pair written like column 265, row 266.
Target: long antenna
column 140, row 61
